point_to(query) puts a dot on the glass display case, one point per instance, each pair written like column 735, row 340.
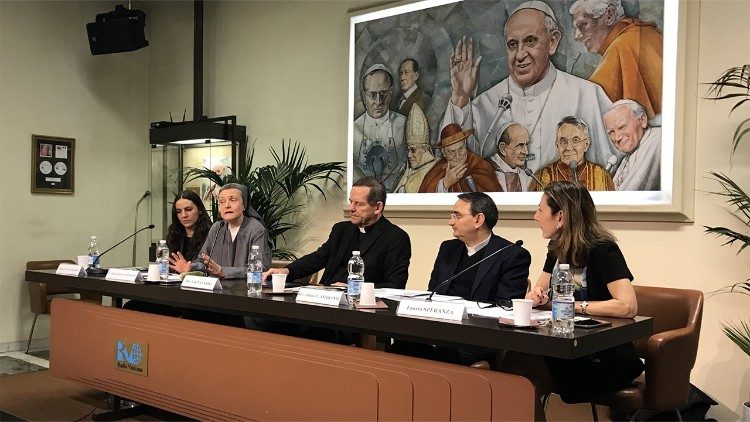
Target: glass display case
column 168, row 165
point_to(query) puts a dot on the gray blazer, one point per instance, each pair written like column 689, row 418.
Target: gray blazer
column 233, row 256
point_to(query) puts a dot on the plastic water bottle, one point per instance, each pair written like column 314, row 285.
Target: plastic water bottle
column 94, row 252
column 563, row 302
column 356, row 268
column 162, row 258
column 254, row 271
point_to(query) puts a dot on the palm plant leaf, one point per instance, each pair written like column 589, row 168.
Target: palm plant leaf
column 734, row 78
column 739, row 333
column 742, row 129
column 272, row 188
column 736, row 197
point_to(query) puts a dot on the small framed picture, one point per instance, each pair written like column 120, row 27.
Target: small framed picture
column 52, row 165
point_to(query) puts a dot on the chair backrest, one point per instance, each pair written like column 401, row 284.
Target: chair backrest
column 670, row 352
column 38, row 291
column 282, row 263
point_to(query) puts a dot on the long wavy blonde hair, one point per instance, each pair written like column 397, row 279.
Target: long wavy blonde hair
column 580, row 229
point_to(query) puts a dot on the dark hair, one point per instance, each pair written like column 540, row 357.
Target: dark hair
column 377, row 189
column 481, row 203
column 176, row 235
column 414, row 64
column 581, row 229
column 577, row 122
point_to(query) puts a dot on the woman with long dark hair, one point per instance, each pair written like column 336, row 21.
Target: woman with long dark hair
column 567, row 217
column 188, row 231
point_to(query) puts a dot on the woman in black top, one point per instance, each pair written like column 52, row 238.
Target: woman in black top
column 188, row 231
column 567, row 217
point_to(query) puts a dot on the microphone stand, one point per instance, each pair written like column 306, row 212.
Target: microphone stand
column 135, row 223
column 101, row 272
column 455, row 276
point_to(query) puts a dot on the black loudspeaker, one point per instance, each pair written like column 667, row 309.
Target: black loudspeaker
column 117, row 32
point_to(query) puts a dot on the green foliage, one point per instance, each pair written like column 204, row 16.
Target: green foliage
column 739, row 333
column 734, row 84
column 273, row 189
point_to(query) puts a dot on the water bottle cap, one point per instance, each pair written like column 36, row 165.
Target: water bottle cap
column 162, row 242
column 93, row 237
column 564, row 266
column 255, row 247
column 355, row 253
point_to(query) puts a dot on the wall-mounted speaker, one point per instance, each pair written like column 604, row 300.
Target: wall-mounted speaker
column 116, row 32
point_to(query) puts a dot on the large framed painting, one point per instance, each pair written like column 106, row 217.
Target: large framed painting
column 507, row 96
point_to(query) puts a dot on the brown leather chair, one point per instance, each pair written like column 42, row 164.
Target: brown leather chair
column 282, row 263
column 669, row 353
column 39, row 293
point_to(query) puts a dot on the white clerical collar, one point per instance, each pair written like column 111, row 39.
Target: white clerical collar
column 471, row 250
column 503, row 166
column 536, row 89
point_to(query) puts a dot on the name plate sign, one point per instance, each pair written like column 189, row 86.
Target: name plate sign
column 69, row 269
column 321, row 296
column 436, row 310
column 201, row 283
column 120, row 274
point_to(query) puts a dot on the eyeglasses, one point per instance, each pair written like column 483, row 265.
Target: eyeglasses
column 575, row 141
column 377, row 95
column 455, row 215
column 505, row 304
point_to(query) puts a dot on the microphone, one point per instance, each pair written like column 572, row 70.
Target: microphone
column 450, row 279
column 200, row 266
column 574, row 166
column 575, row 60
column 502, row 105
column 135, row 222
column 611, row 161
column 531, row 174
column 101, row 272
column 470, row 181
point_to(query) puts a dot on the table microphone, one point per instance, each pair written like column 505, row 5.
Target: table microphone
column 455, row 276
column 502, row 105
column 531, row 174
column 200, row 266
column 611, row 161
column 574, row 166
column 101, row 272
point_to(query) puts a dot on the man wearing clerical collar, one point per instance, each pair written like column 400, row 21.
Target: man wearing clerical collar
column 384, row 247
column 496, row 280
column 541, row 94
column 573, row 140
column 378, row 138
column 510, row 160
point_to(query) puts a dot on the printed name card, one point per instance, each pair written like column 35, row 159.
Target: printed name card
column 436, row 310
column 69, row 269
column 321, row 296
column 121, row 274
column 201, row 283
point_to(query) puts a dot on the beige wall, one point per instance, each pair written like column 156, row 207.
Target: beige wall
column 281, row 67
column 50, row 84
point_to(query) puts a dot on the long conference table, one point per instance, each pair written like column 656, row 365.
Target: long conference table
column 215, row 372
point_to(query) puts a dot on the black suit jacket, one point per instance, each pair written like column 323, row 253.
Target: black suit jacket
column 386, row 251
column 417, row 97
column 502, row 277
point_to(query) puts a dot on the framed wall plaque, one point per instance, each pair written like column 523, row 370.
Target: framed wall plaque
column 52, row 165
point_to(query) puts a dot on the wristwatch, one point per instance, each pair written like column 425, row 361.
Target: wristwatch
column 584, row 305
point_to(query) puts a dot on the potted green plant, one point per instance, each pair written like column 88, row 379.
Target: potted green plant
column 274, row 190
column 734, row 85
